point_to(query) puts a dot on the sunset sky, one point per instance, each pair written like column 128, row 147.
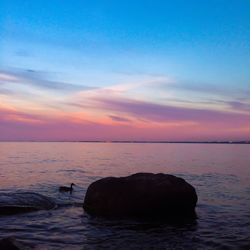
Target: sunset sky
column 125, row 70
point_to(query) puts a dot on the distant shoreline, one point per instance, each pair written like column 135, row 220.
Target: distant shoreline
column 144, row 142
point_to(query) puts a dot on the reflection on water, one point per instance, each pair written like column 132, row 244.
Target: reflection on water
column 220, row 174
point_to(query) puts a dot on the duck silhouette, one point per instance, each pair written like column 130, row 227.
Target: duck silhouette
column 67, row 189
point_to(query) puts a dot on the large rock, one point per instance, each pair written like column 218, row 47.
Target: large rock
column 141, row 195
column 13, row 203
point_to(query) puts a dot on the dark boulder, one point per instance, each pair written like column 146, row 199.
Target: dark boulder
column 13, row 203
column 141, row 195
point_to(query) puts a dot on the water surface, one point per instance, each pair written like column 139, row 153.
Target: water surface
column 219, row 172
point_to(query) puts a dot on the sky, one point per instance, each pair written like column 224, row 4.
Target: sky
column 125, row 70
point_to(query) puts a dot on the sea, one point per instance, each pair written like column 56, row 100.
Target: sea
column 220, row 174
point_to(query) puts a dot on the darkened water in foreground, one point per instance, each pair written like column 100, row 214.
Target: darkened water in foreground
column 220, row 174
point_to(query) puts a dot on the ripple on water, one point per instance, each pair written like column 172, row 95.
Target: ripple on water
column 219, row 174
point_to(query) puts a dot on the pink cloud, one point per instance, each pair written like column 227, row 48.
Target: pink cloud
column 67, row 129
column 165, row 113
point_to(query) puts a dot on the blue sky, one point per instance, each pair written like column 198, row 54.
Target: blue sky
column 192, row 54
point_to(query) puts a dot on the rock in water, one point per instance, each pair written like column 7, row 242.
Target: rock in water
column 13, row 203
column 141, row 195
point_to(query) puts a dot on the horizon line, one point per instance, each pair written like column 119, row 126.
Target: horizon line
column 135, row 141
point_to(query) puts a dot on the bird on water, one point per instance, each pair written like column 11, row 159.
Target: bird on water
column 67, row 189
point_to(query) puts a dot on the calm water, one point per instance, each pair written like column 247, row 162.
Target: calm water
column 220, row 174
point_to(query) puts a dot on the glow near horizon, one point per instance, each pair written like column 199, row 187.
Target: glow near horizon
column 150, row 70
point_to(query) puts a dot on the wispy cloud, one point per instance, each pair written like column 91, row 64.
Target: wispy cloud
column 206, row 89
column 38, row 79
column 120, row 111
column 240, row 106
column 15, row 125
column 6, row 91
column 166, row 113
column 7, row 77
column 119, row 118
column 10, row 114
column 174, row 124
column 143, row 81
